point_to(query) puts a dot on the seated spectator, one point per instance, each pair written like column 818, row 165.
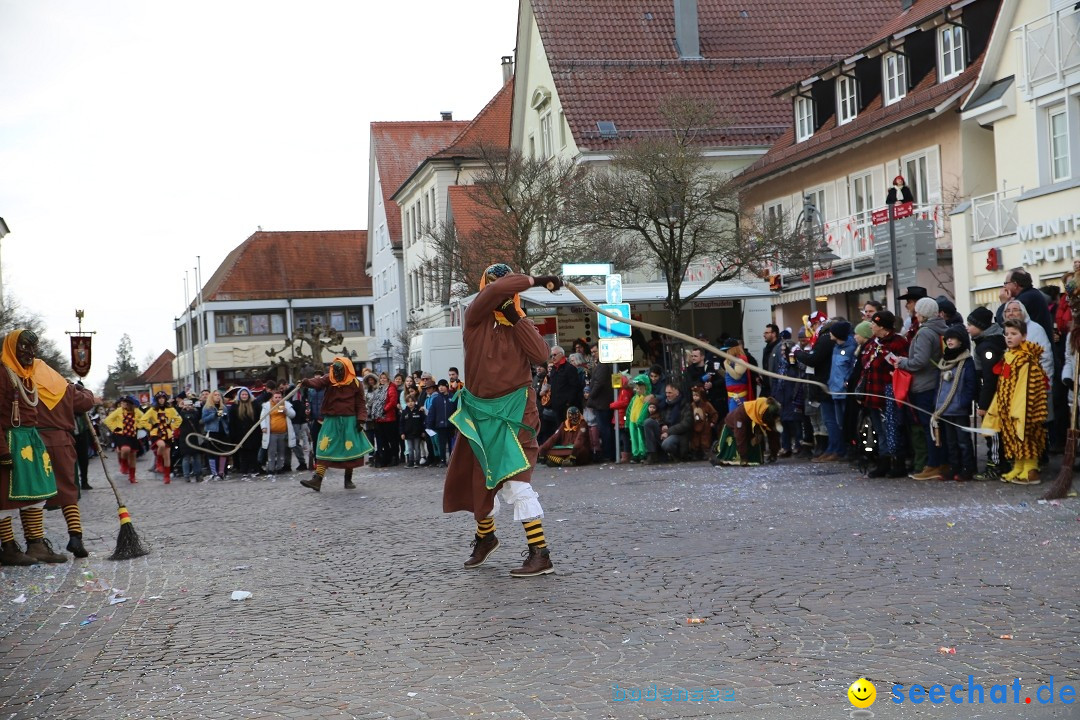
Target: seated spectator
column 671, row 432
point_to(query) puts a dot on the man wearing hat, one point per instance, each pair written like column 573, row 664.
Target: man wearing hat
column 988, row 350
column 911, row 322
column 162, row 422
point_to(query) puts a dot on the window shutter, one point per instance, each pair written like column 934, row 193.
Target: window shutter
column 881, row 186
column 892, row 169
column 933, row 175
column 841, row 194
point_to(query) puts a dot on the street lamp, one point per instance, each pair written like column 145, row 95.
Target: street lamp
column 387, row 346
column 820, row 253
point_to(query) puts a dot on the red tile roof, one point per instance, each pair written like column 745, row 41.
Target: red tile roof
column 160, row 371
column 399, row 148
column 617, row 61
column 875, row 118
column 293, row 264
column 490, row 127
column 915, row 15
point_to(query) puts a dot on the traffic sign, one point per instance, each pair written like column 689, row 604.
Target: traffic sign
column 616, row 350
column 612, row 328
column 614, row 288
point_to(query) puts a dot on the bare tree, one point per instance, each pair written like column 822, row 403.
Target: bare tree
column 515, row 212
column 662, row 194
column 14, row 317
column 299, row 362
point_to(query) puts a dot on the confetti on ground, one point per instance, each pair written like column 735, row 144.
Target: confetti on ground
column 947, row 650
column 20, row 600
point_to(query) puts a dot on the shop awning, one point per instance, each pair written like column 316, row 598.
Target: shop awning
column 838, row 287
column 639, row 293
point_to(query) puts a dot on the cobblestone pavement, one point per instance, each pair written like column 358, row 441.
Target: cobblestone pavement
column 806, row 577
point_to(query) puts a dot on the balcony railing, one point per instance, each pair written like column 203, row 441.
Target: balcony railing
column 994, row 215
column 1051, row 47
column 852, row 238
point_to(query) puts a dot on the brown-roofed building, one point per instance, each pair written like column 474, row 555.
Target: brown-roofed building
column 411, row 164
column 270, row 286
column 157, row 377
column 889, row 108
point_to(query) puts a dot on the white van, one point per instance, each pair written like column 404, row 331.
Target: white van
column 436, row 350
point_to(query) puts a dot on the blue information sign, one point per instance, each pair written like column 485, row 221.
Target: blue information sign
column 611, row 328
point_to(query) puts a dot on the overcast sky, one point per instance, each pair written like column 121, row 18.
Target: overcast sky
column 136, row 136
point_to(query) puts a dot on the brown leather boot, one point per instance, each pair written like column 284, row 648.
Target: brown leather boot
column 624, row 458
column 11, row 554
column 315, row 483
column 41, row 549
column 537, row 562
column 482, row 548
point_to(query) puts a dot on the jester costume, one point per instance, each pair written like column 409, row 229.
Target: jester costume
column 637, row 414
column 498, row 420
column 739, row 383
column 27, row 477
column 124, row 423
column 342, row 441
column 747, row 430
column 1019, row 411
column 162, row 423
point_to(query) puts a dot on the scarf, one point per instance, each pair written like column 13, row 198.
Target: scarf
column 51, row 384
column 755, row 410
column 948, row 365
column 350, row 371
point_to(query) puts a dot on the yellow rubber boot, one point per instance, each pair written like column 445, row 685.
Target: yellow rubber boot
column 1017, row 468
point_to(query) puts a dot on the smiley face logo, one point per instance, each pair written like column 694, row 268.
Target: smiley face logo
column 862, row 693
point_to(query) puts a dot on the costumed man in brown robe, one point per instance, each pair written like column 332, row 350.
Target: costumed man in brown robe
column 498, row 419
column 342, row 442
column 26, row 473
column 56, row 424
column 570, row 445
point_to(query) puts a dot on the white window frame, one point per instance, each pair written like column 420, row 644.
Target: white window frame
column 916, row 171
column 1058, row 150
column 547, row 136
column 804, row 118
column 562, row 129
column 818, row 198
column 951, row 60
column 894, row 80
column 847, row 99
column 772, row 215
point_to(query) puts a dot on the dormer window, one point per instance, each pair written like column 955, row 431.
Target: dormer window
column 804, row 118
column 846, row 99
column 895, row 81
column 951, row 52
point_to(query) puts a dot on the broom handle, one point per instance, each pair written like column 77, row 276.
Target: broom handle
column 101, row 456
column 238, row 445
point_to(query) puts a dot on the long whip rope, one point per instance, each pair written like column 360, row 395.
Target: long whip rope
column 760, row 371
column 235, row 446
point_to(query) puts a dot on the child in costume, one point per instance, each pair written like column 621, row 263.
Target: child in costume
column 1019, row 408
column 705, row 418
column 124, row 422
column 637, row 415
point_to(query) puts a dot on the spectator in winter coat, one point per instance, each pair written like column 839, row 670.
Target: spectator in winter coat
column 921, row 362
column 619, row 408
column 789, row 394
column 989, row 341
column 412, row 431
column 566, row 389
column 818, row 363
column 672, row 433
column 877, row 374
column 438, row 419
column 832, row 408
column 957, row 390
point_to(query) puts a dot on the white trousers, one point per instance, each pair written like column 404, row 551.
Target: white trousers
column 522, row 497
column 15, row 513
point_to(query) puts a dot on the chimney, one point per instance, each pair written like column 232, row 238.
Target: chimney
column 447, row 115
column 507, row 68
column 687, row 41
column 906, row 4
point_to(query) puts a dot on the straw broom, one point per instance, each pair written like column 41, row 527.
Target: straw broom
column 128, row 544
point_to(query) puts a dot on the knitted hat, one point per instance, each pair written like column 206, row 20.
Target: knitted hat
column 957, row 334
column 885, row 319
column 926, row 307
column 981, row 318
column 841, row 330
column 946, row 305
column 864, row 330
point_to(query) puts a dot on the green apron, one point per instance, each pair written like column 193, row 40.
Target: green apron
column 340, row 441
column 491, row 426
column 32, row 475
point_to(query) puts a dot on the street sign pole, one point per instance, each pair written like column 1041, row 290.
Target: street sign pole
column 894, row 264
